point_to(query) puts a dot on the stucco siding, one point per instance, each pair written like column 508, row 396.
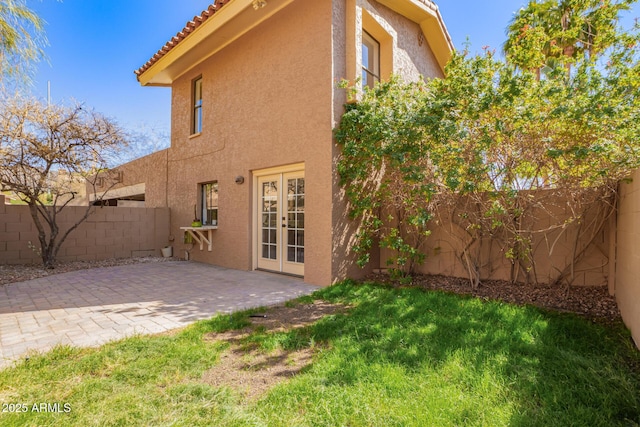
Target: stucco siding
column 266, row 103
column 270, row 99
column 411, row 59
column 412, row 56
column 150, row 170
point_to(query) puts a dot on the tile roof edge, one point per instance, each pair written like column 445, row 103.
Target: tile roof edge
column 434, row 7
column 189, row 28
column 198, row 20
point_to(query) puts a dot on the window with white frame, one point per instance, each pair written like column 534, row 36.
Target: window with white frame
column 370, row 60
column 196, row 113
column 209, row 203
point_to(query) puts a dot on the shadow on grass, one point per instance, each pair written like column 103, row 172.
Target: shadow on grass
column 555, row 369
column 397, row 357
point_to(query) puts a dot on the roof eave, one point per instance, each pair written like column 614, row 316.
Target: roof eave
column 427, row 15
column 223, row 27
column 220, row 26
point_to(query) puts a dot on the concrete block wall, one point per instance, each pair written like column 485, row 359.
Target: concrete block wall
column 552, row 251
column 627, row 284
column 109, row 232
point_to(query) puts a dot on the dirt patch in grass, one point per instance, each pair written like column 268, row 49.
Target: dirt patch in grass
column 252, row 371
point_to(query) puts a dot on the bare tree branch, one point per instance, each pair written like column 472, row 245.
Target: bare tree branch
column 46, row 150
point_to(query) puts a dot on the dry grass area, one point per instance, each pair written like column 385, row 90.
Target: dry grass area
column 250, row 370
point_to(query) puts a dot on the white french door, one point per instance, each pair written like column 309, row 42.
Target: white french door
column 280, row 234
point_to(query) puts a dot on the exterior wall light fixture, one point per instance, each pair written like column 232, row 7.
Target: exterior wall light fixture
column 239, row 179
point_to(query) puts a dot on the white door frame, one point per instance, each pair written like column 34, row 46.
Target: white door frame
column 256, row 218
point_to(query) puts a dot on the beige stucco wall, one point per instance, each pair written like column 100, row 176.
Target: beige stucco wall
column 627, row 283
column 411, row 59
column 270, row 99
column 109, row 232
column 266, row 103
column 150, row 170
column 412, row 56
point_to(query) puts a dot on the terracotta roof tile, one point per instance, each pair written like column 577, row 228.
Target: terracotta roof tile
column 431, row 5
column 188, row 29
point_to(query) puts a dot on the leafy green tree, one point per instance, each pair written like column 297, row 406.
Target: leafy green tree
column 548, row 33
column 490, row 149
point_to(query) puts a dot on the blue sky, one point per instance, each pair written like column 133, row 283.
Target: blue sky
column 94, row 47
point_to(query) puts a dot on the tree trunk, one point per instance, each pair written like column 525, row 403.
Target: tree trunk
column 47, row 246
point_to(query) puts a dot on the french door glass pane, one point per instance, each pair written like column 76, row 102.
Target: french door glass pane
column 295, row 223
column 269, row 220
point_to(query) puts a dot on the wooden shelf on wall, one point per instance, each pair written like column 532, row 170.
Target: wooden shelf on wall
column 202, row 235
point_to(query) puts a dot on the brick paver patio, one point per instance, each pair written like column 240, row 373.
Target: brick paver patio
column 91, row 307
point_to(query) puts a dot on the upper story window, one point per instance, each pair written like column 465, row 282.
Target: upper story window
column 196, row 119
column 209, row 203
column 370, row 60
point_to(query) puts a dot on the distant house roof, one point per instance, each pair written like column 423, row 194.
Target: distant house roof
column 170, row 61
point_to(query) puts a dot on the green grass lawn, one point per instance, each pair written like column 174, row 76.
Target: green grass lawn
column 397, row 358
